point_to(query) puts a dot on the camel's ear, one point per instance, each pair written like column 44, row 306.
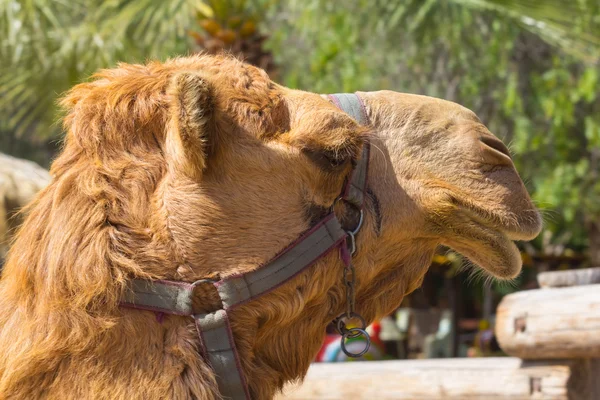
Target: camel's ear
column 191, row 102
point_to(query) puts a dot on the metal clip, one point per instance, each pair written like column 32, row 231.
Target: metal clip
column 351, row 242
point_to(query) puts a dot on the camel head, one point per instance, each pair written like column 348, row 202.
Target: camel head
column 455, row 178
column 201, row 167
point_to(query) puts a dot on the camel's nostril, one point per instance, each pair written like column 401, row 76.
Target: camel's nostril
column 495, row 144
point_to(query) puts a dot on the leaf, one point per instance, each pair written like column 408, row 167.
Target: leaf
column 592, row 132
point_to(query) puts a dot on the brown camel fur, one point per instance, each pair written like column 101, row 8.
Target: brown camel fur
column 202, row 167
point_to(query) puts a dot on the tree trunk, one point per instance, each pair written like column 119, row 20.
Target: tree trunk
column 593, row 229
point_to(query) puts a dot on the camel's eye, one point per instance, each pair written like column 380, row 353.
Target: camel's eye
column 336, row 162
column 328, row 159
column 330, row 140
column 337, row 158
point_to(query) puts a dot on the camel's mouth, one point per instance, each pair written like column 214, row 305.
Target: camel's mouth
column 490, row 248
column 486, row 238
column 523, row 225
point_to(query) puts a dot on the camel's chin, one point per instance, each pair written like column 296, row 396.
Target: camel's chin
column 491, row 250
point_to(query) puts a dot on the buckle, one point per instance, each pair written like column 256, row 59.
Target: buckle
column 360, row 211
column 207, row 300
column 200, row 281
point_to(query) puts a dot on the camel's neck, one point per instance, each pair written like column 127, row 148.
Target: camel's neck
column 271, row 353
column 129, row 353
column 279, row 354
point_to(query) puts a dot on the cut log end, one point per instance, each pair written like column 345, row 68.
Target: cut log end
column 550, row 323
column 575, row 277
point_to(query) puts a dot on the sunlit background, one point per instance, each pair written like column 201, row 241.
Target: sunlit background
column 529, row 69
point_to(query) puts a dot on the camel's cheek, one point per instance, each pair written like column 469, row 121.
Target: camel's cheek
column 397, row 270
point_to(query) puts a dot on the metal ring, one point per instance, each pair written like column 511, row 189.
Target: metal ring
column 359, row 332
column 341, row 325
column 339, row 198
column 361, row 213
column 360, row 222
column 352, row 239
column 199, row 281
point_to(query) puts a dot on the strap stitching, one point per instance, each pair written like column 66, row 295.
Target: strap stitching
column 322, row 236
column 248, row 287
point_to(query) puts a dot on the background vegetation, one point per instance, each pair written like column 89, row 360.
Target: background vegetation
column 529, row 69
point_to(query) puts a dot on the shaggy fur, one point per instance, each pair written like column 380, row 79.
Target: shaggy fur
column 202, row 167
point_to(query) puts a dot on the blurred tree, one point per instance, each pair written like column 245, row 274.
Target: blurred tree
column 231, row 26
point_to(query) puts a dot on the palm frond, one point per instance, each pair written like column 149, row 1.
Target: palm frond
column 46, row 46
column 555, row 21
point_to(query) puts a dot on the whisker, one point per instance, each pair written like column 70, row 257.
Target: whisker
column 374, row 146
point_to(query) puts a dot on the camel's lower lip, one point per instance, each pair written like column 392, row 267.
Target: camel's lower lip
column 516, row 229
column 485, row 246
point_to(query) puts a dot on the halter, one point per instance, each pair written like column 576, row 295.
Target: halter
column 216, row 338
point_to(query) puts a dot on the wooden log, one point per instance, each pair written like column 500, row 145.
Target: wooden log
column 550, row 323
column 572, row 277
column 20, row 180
column 444, row 379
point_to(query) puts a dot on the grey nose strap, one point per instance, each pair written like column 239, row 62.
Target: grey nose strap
column 352, row 105
column 214, row 330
